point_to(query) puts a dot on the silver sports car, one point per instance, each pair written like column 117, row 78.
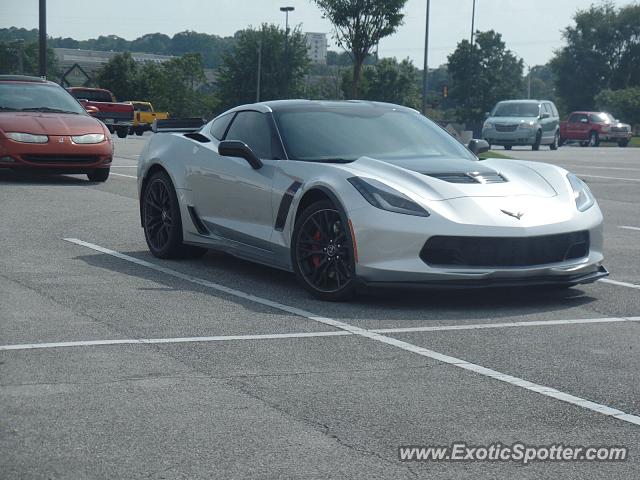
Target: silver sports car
column 349, row 194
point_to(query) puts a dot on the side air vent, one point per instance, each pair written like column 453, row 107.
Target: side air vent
column 471, row 177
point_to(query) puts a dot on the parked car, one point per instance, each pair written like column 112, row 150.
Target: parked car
column 117, row 116
column 143, row 116
column 349, row 194
column 43, row 128
column 591, row 128
column 523, row 122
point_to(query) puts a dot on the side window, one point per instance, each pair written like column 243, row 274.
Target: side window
column 554, row 110
column 220, row 125
column 583, row 118
column 547, row 109
column 573, row 118
column 253, row 129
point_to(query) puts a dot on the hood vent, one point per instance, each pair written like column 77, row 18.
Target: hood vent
column 471, row 177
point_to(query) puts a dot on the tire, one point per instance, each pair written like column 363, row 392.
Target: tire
column 536, row 144
column 139, row 131
column 584, row 144
column 322, row 252
column 623, row 143
column 99, row 175
column 122, row 132
column 507, row 147
column 556, row 142
column 561, row 141
column 161, row 220
column 110, row 128
column 594, row 139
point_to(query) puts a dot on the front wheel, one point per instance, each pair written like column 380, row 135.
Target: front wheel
column 556, row 142
column 161, row 220
column 122, row 132
column 623, row 143
column 507, row 147
column 594, row 139
column 322, row 252
column 99, row 175
column 536, row 144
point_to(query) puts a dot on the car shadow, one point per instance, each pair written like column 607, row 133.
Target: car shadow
column 387, row 304
column 35, row 178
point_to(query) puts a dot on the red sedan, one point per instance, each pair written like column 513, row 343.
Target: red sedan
column 43, row 128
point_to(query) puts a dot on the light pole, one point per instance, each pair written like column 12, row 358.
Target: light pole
column 425, row 74
column 286, row 10
column 42, row 57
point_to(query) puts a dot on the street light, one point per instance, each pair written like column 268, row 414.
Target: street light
column 425, row 74
column 286, row 10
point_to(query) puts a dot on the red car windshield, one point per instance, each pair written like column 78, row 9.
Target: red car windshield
column 37, row 97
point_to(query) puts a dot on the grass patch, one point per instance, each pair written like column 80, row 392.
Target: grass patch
column 492, row 154
column 635, row 142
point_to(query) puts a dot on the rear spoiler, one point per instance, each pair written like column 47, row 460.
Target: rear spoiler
column 182, row 125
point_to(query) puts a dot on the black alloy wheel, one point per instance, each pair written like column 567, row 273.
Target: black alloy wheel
column 538, row 141
column 162, row 222
column 323, row 252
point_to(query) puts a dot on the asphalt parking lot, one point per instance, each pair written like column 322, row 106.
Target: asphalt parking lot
column 114, row 364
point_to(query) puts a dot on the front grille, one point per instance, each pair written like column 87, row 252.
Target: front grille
column 505, row 251
column 619, row 129
column 53, row 159
column 490, row 177
column 506, row 128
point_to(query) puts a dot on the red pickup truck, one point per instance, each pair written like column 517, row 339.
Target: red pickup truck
column 117, row 116
column 591, row 128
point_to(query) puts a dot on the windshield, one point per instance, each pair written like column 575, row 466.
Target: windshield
column 37, row 97
column 348, row 133
column 92, row 95
column 516, row 109
column 602, row 118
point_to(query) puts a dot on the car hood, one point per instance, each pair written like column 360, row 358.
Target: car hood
column 39, row 123
column 447, row 178
column 511, row 120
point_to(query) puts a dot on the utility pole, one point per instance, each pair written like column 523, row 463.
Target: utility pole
column 42, row 58
column 529, row 83
column 425, row 74
column 286, row 10
column 259, row 69
column 473, row 21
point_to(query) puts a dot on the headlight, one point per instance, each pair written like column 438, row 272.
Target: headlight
column 583, row 196
column 526, row 126
column 27, row 137
column 89, row 138
column 488, row 125
column 386, row 198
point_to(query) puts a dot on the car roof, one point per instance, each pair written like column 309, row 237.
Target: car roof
column 527, row 100
column 299, row 104
column 23, row 78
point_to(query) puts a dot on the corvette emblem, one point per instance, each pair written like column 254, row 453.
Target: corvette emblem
column 517, row 215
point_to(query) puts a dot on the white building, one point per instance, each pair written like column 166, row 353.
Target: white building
column 317, row 47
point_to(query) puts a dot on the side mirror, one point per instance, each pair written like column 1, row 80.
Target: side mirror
column 235, row 148
column 91, row 109
column 487, row 114
column 478, row 146
column 544, row 115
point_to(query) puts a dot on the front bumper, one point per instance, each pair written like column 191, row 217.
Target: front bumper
column 517, row 137
column 59, row 155
column 389, row 247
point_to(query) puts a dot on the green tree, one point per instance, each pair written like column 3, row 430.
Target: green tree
column 602, row 52
column 238, row 77
column 623, row 104
column 11, row 53
column 119, row 75
column 360, row 25
column 483, row 75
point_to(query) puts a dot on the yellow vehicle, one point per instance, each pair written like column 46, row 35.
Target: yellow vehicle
column 143, row 116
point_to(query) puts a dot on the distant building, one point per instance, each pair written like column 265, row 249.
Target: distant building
column 317, row 47
column 81, row 65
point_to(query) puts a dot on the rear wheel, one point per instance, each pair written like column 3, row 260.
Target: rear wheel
column 322, row 252
column 507, row 147
column 623, row 143
column 594, row 139
column 556, row 142
column 139, row 131
column 98, row 175
column 162, row 222
column 122, row 132
column 536, row 144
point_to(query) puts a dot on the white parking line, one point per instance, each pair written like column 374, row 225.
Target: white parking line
column 335, row 333
column 123, row 175
column 619, row 284
column 457, row 362
column 629, row 228
column 609, row 178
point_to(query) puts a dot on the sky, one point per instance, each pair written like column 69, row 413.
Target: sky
column 532, row 29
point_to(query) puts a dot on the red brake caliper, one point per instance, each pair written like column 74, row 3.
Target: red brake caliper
column 316, row 258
